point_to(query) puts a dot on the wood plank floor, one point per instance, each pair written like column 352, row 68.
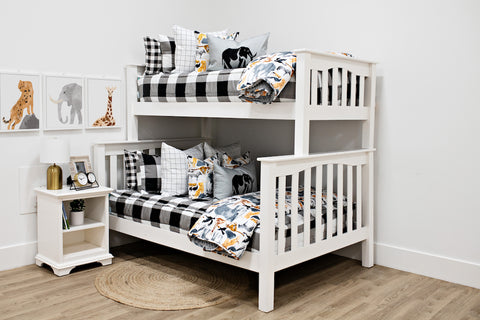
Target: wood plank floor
column 328, row 287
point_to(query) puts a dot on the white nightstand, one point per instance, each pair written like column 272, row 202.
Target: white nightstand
column 65, row 249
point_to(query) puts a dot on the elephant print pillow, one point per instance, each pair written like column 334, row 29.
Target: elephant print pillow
column 231, row 54
column 228, row 182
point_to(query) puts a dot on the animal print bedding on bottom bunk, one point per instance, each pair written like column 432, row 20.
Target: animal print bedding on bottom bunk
column 211, row 86
column 179, row 214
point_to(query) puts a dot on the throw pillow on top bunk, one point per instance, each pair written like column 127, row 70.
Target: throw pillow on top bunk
column 186, row 46
column 173, row 171
column 159, row 54
column 202, row 56
column 148, row 173
column 231, row 54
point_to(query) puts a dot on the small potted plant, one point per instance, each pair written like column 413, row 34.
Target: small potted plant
column 77, row 212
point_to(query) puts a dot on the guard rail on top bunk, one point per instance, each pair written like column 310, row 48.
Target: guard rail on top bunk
column 349, row 77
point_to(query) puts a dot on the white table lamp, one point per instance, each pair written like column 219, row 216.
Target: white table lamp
column 54, row 150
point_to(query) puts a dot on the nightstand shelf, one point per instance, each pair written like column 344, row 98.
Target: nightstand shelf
column 64, row 249
column 87, row 224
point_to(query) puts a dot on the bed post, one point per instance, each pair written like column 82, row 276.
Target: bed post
column 131, row 74
column 368, row 141
column 99, row 163
column 266, row 274
column 302, row 99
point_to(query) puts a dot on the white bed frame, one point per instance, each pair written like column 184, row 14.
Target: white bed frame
column 348, row 173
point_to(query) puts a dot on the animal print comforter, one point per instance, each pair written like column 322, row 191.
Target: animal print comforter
column 265, row 77
column 228, row 225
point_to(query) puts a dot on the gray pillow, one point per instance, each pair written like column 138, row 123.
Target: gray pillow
column 231, row 54
column 233, row 150
column 228, row 182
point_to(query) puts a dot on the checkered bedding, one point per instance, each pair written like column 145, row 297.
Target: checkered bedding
column 212, row 86
column 179, row 214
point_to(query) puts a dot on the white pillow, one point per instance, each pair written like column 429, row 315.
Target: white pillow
column 186, row 47
column 174, row 167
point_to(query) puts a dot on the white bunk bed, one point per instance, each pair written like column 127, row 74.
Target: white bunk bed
column 348, row 173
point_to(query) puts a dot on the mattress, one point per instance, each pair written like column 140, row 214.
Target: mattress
column 219, row 86
column 179, row 214
column 211, row 86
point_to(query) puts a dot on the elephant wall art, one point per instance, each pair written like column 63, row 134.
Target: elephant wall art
column 65, row 109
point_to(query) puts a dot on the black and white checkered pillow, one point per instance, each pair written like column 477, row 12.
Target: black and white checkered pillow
column 159, row 54
column 131, row 159
column 148, row 173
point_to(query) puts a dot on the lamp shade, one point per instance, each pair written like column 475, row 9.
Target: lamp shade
column 55, row 150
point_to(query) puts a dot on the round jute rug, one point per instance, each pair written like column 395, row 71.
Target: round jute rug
column 171, row 283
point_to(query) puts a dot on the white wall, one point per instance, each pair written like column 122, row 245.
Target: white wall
column 428, row 72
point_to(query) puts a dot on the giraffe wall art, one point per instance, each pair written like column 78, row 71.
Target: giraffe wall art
column 107, row 120
column 105, row 103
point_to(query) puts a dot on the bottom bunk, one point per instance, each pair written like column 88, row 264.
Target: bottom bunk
column 280, row 241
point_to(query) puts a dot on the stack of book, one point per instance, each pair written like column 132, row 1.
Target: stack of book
column 65, row 224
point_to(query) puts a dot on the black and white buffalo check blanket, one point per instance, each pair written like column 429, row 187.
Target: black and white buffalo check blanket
column 211, row 86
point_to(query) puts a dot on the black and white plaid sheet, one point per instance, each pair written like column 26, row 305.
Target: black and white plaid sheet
column 211, row 86
column 179, row 214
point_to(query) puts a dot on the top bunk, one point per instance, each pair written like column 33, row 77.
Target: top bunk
column 318, row 77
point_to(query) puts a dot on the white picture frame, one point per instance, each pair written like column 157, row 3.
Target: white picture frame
column 68, row 92
column 104, row 93
column 79, row 164
column 10, row 96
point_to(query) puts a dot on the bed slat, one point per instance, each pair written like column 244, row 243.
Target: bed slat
column 349, row 198
column 306, row 206
column 294, row 214
column 361, row 96
column 281, row 214
column 339, row 199
column 359, row 197
column 113, row 171
column 335, row 86
column 353, row 92
column 344, row 87
column 329, row 200
column 318, row 203
column 314, row 88
column 324, row 88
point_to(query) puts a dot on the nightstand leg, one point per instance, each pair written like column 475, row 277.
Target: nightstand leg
column 62, row 272
column 105, row 262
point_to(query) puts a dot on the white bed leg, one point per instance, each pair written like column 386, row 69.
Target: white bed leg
column 266, row 287
column 367, row 253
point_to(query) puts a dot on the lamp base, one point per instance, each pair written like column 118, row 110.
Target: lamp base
column 54, row 177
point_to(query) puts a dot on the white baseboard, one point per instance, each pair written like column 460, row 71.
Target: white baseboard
column 17, row 255
column 444, row 268
column 439, row 267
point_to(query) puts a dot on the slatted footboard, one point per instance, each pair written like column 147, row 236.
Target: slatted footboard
column 338, row 174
